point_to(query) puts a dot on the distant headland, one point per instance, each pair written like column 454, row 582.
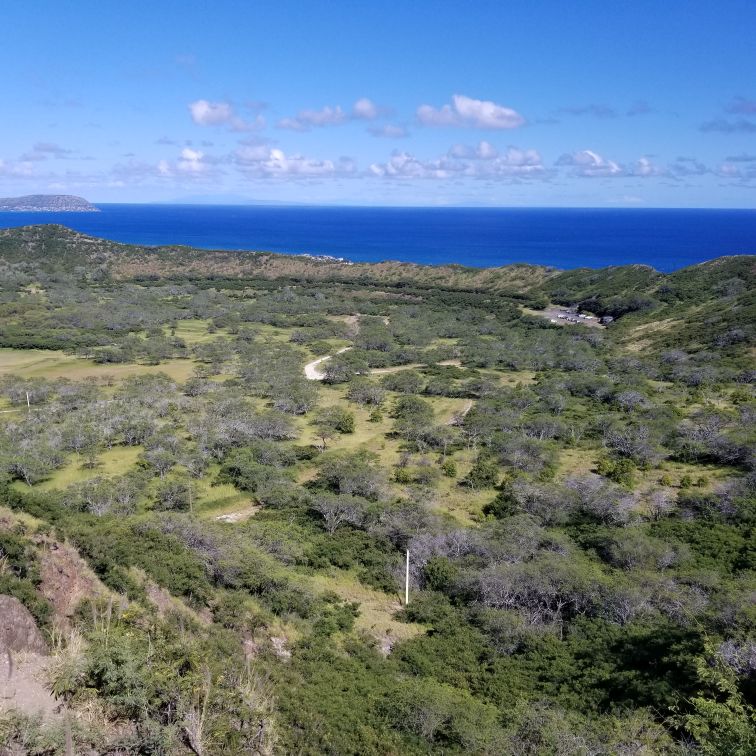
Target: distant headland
column 54, row 203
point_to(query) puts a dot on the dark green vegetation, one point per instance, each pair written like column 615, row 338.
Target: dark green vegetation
column 579, row 503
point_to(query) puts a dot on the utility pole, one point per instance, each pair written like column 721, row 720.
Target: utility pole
column 406, row 582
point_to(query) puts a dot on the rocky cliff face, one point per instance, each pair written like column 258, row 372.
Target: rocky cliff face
column 57, row 203
column 18, row 630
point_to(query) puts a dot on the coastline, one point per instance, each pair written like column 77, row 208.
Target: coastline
column 478, row 238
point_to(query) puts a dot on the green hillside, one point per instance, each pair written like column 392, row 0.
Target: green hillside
column 213, row 465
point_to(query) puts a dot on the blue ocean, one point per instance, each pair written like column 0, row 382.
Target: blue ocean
column 479, row 237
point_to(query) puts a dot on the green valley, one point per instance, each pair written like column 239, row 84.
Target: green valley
column 208, row 543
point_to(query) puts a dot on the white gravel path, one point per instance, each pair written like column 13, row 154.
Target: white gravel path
column 311, row 368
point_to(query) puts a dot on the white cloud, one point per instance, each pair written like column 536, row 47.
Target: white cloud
column 526, row 159
column 481, row 162
column 486, row 151
column 462, row 152
column 483, row 151
column 366, row 109
column 729, row 170
column 205, row 113
column 467, row 111
column 257, row 123
column 363, row 109
column 590, row 164
column 252, row 153
column 742, row 170
column 263, row 161
column 405, row 165
column 645, row 167
column 444, row 116
column 191, row 163
column 307, row 119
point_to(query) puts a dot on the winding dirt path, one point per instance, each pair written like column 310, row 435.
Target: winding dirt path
column 311, row 370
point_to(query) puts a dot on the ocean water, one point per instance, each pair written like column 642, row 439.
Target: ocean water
column 479, row 237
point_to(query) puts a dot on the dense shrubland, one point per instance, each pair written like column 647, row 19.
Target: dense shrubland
column 579, row 512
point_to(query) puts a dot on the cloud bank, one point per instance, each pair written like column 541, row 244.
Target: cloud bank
column 482, row 161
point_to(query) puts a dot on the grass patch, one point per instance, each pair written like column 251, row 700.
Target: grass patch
column 214, row 500
column 194, row 331
column 376, row 608
column 576, row 461
column 112, row 462
column 42, row 363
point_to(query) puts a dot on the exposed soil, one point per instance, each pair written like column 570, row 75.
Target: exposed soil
column 238, row 515
column 22, row 685
column 23, row 656
column 66, row 579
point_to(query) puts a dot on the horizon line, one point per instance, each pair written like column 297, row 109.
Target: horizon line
column 264, row 203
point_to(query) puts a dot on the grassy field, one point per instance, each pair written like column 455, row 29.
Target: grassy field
column 215, row 501
column 40, row 363
column 112, row 462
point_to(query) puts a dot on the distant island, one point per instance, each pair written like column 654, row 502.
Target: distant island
column 53, row 203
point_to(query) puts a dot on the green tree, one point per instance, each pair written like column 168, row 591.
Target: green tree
column 484, row 474
column 721, row 722
column 176, row 494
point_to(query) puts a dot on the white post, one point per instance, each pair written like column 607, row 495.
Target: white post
column 28, row 403
column 406, row 582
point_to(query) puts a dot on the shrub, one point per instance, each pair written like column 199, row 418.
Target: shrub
column 449, row 468
column 484, row 474
column 618, row 470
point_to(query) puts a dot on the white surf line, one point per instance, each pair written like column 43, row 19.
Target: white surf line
column 311, row 368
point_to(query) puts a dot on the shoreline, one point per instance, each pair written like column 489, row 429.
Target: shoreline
column 474, row 239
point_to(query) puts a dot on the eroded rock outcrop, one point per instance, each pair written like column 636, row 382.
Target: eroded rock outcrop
column 18, row 630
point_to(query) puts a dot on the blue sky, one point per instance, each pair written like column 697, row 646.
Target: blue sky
column 605, row 103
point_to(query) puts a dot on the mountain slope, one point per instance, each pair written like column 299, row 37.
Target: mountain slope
column 705, row 305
